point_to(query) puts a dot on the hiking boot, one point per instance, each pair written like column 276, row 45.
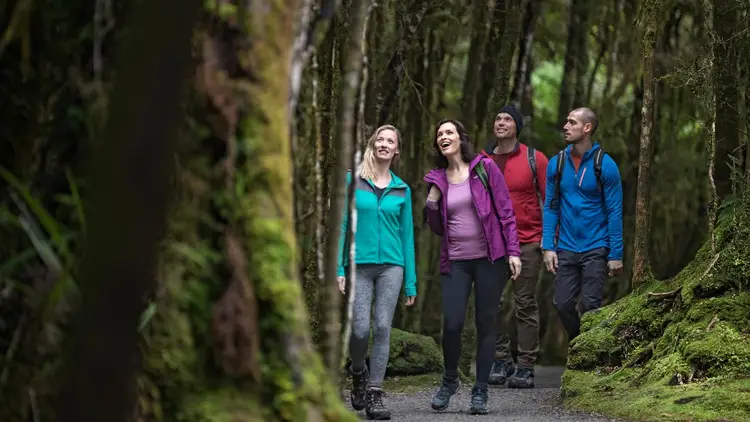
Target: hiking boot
column 500, row 372
column 375, row 408
column 442, row 397
column 478, row 401
column 359, row 388
column 523, row 378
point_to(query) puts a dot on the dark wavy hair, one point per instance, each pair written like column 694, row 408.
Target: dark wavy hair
column 467, row 151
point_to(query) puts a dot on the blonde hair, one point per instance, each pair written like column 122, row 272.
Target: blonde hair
column 367, row 168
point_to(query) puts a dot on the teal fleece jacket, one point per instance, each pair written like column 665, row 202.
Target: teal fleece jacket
column 385, row 229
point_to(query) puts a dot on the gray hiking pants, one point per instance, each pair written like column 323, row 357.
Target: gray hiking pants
column 383, row 284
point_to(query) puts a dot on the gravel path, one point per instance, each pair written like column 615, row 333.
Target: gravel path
column 541, row 404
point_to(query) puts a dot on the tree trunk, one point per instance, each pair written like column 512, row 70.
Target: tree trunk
column 486, row 76
column 232, row 237
column 501, row 84
column 572, row 58
column 641, row 268
column 584, row 11
column 474, row 65
column 725, row 72
column 346, row 125
column 127, row 217
column 531, row 12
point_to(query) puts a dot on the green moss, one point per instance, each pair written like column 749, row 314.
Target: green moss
column 600, row 346
column 602, row 317
column 223, row 405
column 412, row 354
column 616, row 396
column 413, row 383
column 670, row 369
column 732, row 308
column 680, row 354
column 719, row 352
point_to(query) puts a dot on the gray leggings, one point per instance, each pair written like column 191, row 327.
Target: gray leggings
column 383, row 282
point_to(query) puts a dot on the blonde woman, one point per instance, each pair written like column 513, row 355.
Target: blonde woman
column 384, row 254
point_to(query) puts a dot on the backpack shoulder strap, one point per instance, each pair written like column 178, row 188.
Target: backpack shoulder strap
column 482, row 173
column 555, row 202
column 531, row 158
column 598, row 158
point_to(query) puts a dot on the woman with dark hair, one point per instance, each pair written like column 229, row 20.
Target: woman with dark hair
column 478, row 228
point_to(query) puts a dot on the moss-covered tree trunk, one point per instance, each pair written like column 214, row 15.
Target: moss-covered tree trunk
column 641, row 269
column 231, row 339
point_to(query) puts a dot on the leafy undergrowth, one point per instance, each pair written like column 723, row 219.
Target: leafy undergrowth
column 676, row 350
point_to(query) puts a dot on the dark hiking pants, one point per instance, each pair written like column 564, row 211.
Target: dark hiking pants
column 579, row 273
column 489, row 281
column 527, row 311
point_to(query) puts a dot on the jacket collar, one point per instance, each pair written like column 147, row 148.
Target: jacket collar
column 594, row 146
column 490, row 148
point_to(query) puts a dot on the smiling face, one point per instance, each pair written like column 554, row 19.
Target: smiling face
column 448, row 141
column 386, row 145
column 505, row 126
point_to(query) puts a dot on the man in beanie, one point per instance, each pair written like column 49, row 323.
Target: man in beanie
column 525, row 172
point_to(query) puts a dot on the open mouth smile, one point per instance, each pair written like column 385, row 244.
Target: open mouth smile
column 445, row 144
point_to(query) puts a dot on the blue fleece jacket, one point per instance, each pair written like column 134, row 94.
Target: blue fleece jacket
column 385, row 229
column 588, row 219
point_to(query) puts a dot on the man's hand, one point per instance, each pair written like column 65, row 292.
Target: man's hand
column 550, row 261
column 615, row 267
column 515, row 267
column 410, row 300
column 342, row 284
column 434, row 194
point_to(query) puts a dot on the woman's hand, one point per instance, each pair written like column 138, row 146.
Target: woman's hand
column 515, row 267
column 410, row 300
column 342, row 284
column 434, row 194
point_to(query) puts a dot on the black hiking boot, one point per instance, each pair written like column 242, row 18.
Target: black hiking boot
column 523, row 378
column 375, row 408
column 359, row 388
column 478, row 401
column 442, row 397
column 501, row 370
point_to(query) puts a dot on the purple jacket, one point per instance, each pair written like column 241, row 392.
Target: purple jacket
column 500, row 233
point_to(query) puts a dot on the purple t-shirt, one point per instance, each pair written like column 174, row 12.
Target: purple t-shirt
column 465, row 237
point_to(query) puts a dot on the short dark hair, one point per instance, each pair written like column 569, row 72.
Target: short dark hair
column 467, row 151
column 588, row 116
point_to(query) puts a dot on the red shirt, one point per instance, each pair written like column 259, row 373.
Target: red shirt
column 518, row 177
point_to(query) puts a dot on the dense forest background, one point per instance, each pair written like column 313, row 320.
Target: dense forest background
column 275, row 101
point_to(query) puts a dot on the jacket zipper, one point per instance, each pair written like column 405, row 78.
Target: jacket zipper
column 385, row 192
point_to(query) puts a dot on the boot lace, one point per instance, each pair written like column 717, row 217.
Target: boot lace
column 375, row 398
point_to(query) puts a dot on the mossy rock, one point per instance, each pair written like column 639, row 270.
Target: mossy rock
column 671, row 350
column 412, row 354
column 222, row 405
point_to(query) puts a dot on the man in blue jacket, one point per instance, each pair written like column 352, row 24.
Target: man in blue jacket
column 584, row 197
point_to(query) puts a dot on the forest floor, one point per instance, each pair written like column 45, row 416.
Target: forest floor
column 408, row 398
